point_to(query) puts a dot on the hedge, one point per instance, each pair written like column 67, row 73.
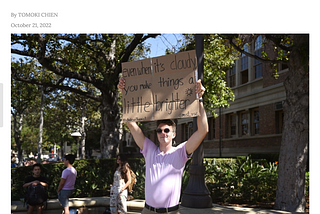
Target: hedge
column 229, row 180
column 93, row 180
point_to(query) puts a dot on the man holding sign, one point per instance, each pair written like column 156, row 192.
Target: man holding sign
column 165, row 164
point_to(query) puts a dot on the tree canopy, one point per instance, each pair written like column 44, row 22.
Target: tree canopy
column 82, row 64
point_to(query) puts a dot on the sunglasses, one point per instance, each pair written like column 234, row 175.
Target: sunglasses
column 166, row 130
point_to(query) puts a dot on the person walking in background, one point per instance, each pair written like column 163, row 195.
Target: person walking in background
column 121, row 181
column 34, row 180
column 13, row 161
column 66, row 185
column 165, row 164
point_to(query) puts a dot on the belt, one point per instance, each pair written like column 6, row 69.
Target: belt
column 161, row 210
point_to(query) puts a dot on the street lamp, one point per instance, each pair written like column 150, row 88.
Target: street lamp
column 196, row 194
column 76, row 135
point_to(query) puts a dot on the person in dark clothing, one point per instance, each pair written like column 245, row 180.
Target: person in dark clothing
column 35, row 179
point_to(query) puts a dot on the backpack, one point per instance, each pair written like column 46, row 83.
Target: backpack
column 133, row 181
column 36, row 195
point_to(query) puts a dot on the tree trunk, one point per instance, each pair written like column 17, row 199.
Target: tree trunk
column 17, row 127
column 290, row 195
column 40, row 126
column 83, row 133
column 61, row 149
column 109, row 140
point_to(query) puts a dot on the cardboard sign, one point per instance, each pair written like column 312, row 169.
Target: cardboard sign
column 160, row 88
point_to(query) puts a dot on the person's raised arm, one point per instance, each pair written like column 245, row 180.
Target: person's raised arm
column 202, row 123
column 135, row 130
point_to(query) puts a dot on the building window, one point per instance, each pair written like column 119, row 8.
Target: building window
column 244, row 65
column 212, row 130
column 283, row 66
column 244, row 123
column 232, row 125
column 258, row 65
column 257, row 52
column 187, row 131
column 255, row 122
column 258, row 43
column 279, row 121
column 130, row 140
column 244, row 76
column 232, row 77
column 183, row 132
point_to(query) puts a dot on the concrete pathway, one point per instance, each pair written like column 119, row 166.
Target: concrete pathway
column 97, row 205
column 135, row 206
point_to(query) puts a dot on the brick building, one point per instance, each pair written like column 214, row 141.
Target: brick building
column 253, row 122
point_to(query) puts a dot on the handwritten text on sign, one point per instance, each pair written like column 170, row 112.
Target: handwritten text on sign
column 160, row 88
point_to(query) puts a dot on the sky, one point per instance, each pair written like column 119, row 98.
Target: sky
column 164, row 17
column 162, row 42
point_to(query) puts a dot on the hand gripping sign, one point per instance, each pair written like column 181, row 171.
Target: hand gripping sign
column 160, row 88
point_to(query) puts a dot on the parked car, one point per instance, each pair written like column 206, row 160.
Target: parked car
column 53, row 157
column 43, row 156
